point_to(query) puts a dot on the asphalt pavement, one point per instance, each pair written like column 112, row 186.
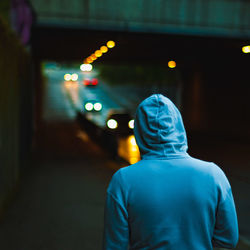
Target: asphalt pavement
column 60, row 201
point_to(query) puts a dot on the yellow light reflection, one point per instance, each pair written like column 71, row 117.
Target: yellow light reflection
column 73, row 91
column 75, row 85
column 246, row 49
column 104, row 49
column 110, row 44
column 67, row 84
column 128, row 149
column 98, row 53
column 132, row 141
column 133, row 160
column 171, row 64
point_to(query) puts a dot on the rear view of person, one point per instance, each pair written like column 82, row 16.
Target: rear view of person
column 168, row 200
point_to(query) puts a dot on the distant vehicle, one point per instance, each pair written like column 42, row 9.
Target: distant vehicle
column 93, row 106
column 71, row 77
column 90, row 82
column 120, row 123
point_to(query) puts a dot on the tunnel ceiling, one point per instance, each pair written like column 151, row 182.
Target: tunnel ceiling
column 226, row 18
column 144, row 31
column 63, row 44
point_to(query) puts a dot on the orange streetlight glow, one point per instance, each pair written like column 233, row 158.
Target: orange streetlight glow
column 171, row 64
column 98, row 53
column 93, row 57
column 110, row 44
column 104, row 49
column 87, row 61
column 90, row 60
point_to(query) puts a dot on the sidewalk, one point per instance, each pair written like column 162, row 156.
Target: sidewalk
column 61, row 198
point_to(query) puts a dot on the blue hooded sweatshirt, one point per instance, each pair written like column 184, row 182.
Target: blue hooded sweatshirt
column 168, row 200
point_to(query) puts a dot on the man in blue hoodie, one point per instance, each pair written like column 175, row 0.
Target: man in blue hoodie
column 168, row 200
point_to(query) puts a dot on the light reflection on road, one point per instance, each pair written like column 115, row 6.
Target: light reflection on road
column 128, row 149
column 73, row 90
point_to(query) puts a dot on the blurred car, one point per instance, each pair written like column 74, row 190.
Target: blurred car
column 93, row 106
column 71, row 77
column 90, row 82
column 120, row 123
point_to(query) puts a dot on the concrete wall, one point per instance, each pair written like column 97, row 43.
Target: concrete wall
column 194, row 17
column 4, row 10
column 14, row 109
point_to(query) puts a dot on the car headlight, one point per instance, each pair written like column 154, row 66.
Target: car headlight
column 67, row 77
column 131, row 124
column 97, row 106
column 89, row 106
column 112, row 124
column 74, row 77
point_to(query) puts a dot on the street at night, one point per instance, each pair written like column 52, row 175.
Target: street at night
column 61, row 200
column 72, row 77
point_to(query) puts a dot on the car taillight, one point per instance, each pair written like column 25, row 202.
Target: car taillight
column 86, row 82
column 94, row 81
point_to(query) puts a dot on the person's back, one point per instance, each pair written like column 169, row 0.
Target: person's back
column 168, row 200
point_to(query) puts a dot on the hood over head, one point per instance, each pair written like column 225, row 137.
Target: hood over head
column 159, row 129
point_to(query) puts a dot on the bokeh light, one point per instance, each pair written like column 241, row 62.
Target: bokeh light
column 89, row 106
column 171, row 64
column 98, row 53
column 86, row 61
column 131, row 124
column 110, row 44
column 104, row 49
column 246, row 49
column 67, row 77
column 86, row 67
column 128, row 149
column 111, row 123
column 97, row 106
column 132, row 140
column 74, row 77
column 90, row 60
column 93, row 57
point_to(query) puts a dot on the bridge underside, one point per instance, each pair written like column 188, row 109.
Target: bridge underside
column 64, row 44
column 204, row 37
column 189, row 31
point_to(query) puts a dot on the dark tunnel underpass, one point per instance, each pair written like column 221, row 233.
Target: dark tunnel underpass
column 67, row 154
